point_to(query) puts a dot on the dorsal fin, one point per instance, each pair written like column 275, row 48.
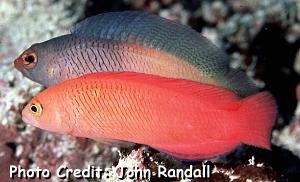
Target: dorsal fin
column 156, row 32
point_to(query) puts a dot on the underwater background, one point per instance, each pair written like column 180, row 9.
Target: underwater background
column 261, row 37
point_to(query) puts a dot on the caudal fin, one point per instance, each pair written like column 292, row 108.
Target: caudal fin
column 257, row 115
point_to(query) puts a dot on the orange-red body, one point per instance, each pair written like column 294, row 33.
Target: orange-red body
column 185, row 119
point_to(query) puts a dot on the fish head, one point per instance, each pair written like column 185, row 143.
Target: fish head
column 27, row 61
column 43, row 112
column 38, row 64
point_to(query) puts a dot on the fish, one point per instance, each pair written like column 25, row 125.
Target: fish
column 185, row 119
column 131, row 41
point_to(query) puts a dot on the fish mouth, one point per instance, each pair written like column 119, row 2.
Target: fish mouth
column 26, row 120
column 18, row 65
column 29, row 120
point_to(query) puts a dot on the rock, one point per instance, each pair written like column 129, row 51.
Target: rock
column 214, row 12
column 244, row 5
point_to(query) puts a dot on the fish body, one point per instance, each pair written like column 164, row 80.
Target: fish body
column 186, row 119
column 70, row 56
column 127, row 38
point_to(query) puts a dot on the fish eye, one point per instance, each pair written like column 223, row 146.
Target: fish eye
column 36, row 109
column 29, row 60
column 33, row 108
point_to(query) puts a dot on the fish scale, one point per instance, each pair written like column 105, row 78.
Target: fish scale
column 186, row 119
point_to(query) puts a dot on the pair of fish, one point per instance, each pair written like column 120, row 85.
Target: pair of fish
column 179, row 97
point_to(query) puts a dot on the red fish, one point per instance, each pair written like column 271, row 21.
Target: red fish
column 186, row 119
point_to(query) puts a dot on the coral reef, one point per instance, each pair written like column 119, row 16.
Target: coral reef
column 261, row 37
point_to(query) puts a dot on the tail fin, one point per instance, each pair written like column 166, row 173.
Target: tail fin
column 258, row 113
